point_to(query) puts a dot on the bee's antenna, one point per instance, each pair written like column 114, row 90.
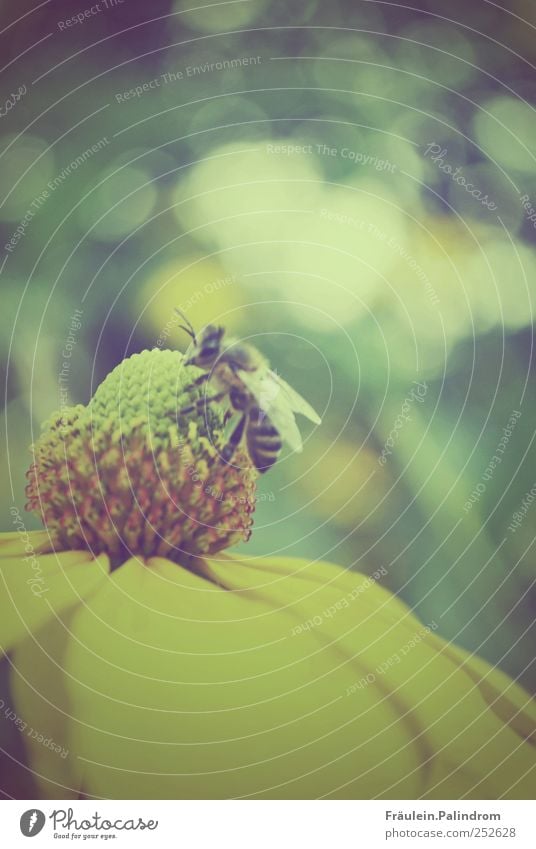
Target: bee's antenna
column 189, row 328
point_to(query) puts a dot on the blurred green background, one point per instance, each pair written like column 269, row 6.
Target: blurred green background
column 294, row 172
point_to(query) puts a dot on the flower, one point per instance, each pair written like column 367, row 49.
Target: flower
column 148, row 664
column 131, row 473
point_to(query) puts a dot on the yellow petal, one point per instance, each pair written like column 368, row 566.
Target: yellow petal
column 184, row 690
column 281, row 679
column 14, row 544
column 36, row 586
column 39, row 691
column 506, row 698
column 475, row 724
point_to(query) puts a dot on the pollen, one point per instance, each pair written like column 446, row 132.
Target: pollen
column 130, row 474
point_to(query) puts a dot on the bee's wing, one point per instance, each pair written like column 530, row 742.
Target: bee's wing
column 273, row 404
column 295, row 400
column 283, row 420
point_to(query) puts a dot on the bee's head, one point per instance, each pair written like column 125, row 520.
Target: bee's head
column 206, row 348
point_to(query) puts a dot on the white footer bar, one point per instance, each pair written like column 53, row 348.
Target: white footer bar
column 269, row 824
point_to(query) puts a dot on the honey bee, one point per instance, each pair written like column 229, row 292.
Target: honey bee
column 264, row 402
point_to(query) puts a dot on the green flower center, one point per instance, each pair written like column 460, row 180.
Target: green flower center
column 130, row 474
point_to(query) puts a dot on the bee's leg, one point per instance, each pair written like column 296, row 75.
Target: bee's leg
column 199, row 380
column 234, row 440
column 201, row 403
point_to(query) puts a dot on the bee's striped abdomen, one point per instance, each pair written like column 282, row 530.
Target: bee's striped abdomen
column 264, row 442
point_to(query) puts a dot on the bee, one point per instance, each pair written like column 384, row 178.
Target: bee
column 264, row 402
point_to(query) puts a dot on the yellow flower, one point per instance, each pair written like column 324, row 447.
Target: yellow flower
column 132, row 474
column 202, row 675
